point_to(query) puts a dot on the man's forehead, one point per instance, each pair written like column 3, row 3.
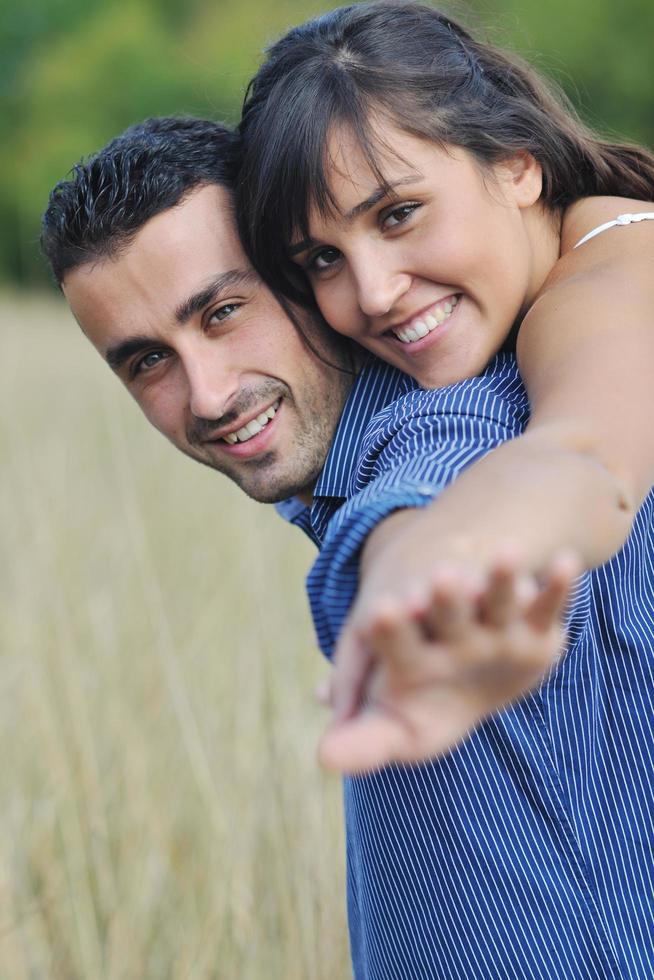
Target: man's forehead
column 202, row 222
column 175, row 264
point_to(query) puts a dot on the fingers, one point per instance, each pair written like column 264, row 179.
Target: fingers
column 425, row 670
column 507, row 590
column 449, row 605
column 455, row 631
column 352, row 664
column 547, row 609
column 396, row 639
column 457, row 597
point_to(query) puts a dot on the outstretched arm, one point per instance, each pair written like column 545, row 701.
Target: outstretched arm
column 578, row 474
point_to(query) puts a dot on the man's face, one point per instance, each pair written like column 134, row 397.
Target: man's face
column 208, row 353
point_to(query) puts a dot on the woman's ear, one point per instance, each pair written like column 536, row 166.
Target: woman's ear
column 521, row 176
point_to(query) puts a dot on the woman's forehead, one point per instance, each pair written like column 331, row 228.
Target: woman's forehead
column 385, row 159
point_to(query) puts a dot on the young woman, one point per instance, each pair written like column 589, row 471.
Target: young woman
column 436, row 199
column 439, row 203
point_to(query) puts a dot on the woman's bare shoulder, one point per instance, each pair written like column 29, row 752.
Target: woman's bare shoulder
column 589, row 212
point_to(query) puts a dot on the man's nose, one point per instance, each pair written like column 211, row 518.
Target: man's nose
column 379, row 284
column 211, row 383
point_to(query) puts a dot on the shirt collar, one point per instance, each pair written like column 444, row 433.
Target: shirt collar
column 375, row 387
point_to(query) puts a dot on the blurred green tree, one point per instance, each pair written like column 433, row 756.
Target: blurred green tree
column 600, row 52
column 75, row 72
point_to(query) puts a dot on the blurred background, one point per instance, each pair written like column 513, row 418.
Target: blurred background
column 73, row 73
column 161, row 814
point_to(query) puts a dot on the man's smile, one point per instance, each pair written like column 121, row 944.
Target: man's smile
column 252, row 427
column 253, row 437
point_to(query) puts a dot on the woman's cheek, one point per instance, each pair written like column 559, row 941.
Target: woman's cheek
column 335, row 304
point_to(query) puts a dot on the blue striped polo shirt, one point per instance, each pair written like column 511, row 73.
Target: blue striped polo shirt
column 526, row 852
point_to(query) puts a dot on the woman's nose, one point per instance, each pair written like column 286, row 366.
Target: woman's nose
column 379, row 286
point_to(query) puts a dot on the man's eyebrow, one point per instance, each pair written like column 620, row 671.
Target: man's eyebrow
column 116, row 356
column 377, row 195
column 226, row 280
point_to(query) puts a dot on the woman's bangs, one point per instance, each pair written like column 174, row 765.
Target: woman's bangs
column 311, row 190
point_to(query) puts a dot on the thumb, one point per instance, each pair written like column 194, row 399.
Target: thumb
column 352, row 664
column 361, row 744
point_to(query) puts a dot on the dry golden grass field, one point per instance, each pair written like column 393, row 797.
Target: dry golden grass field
column 161, row 813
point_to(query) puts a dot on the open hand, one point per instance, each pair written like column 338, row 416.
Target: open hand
column 413, row 679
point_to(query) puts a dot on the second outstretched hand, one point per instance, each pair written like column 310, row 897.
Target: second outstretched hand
column 415, row 676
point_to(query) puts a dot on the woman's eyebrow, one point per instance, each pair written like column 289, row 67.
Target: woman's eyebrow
column 377, row 195
column 302, row 246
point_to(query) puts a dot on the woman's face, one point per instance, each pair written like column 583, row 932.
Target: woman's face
column 432, row 277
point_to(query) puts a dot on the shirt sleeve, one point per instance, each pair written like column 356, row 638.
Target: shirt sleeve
column 410, row 456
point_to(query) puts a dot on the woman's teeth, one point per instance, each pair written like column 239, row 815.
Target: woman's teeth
column 254, row 427
column 428, row 322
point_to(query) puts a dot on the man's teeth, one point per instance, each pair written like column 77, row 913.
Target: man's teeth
column 252, row 428
column 437, row 315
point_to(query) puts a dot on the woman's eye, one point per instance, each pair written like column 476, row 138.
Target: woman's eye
column 324, row 259
column 398, row 215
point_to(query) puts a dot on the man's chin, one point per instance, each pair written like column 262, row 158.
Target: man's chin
column 267, row 496
column 271, row 488
column 262, row 483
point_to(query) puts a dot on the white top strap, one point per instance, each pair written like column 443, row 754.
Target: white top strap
column 622, row 219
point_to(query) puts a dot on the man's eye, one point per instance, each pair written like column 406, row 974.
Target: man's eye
column 398, row 215
column 324, row 259
column 222, row 312
column 148, row 361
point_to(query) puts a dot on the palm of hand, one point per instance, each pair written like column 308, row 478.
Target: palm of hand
column 416, row 676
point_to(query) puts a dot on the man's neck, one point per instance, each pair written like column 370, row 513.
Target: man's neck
column 306, row 496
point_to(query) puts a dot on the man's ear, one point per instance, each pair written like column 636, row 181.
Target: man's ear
column 522, row 178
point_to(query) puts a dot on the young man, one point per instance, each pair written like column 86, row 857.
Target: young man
column 514, row 854
column 143, row 243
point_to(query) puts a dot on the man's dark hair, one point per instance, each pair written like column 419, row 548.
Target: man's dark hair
column 149, row 168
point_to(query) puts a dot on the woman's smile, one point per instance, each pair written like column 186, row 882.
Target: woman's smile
column 425, row 323
column 430, row 271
